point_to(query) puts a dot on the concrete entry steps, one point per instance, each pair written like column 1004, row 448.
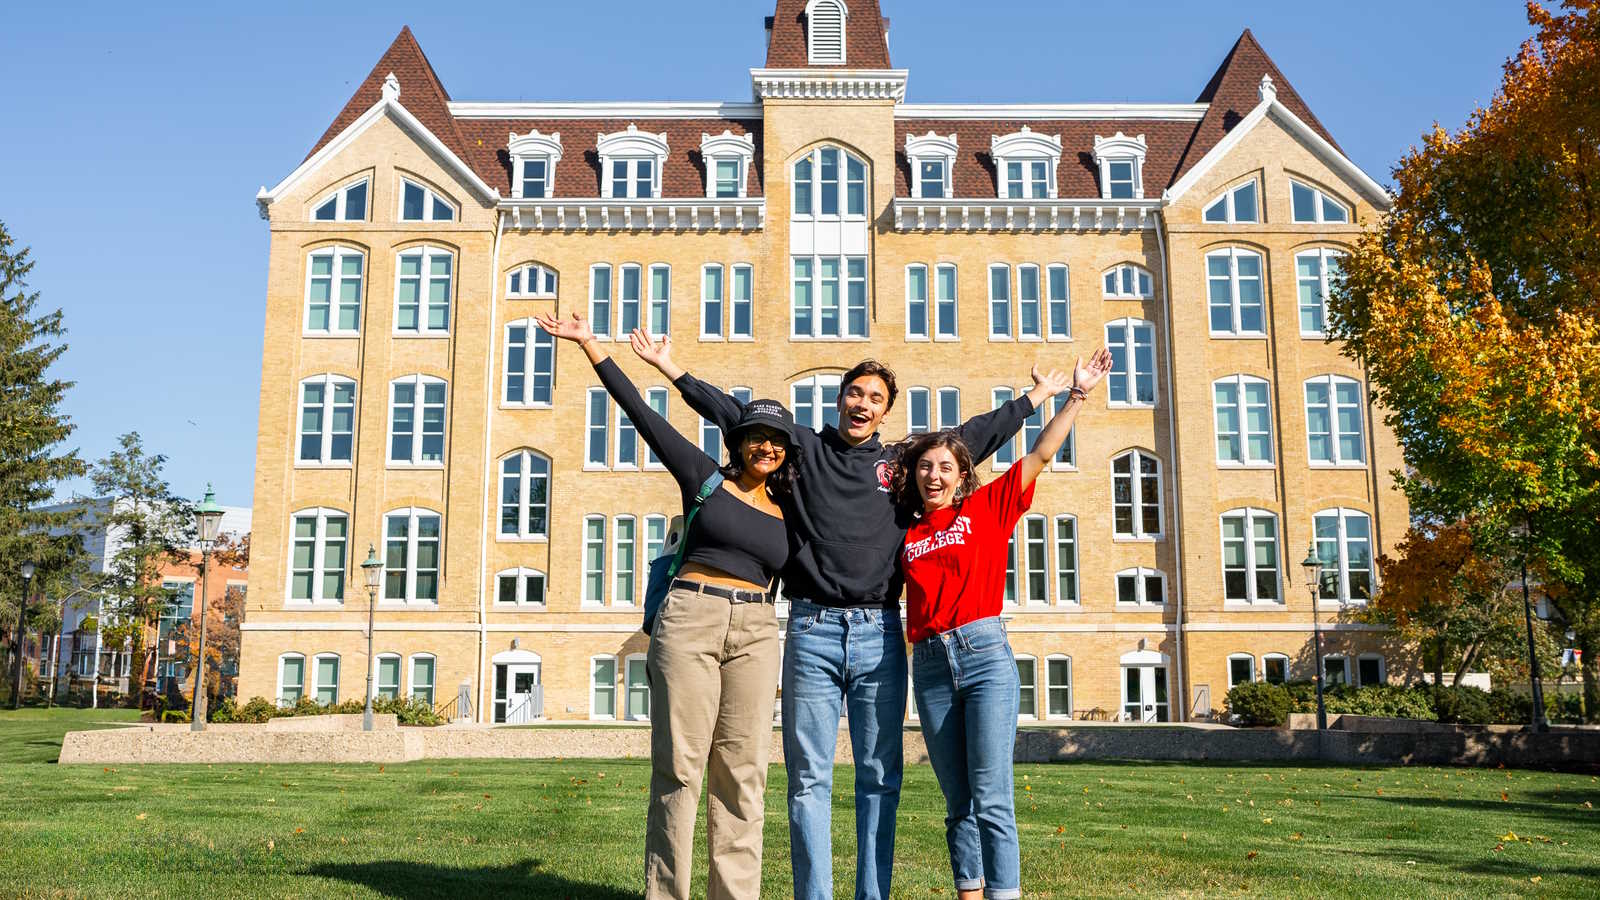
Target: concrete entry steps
column 342, row 741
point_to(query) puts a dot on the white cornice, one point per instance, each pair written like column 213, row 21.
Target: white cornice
column 598, row 214
column 828, row 84
column 710, row 109
column 1088, row 214
column 1183, row 112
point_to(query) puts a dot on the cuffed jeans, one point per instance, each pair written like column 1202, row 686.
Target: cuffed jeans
column 966, row 684
column 856, row 659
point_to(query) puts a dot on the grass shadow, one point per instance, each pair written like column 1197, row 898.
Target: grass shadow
column 419, row 881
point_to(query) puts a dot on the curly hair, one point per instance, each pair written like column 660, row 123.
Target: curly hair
column 903, row 484
column 780, row 484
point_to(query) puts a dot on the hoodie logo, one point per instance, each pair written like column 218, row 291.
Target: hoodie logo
column 883, row 475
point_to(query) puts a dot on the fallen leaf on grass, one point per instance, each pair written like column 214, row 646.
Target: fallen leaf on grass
column 141, row 816
column 1505, row 796
column 1510, row 836
column 1296, row 836
column 1060, row 829
column 299, row 831
column 1536, row 879
column 270, row 845
column 1266, row 821
column 1252, row 854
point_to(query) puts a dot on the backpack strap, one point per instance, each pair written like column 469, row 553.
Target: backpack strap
column 712, row 482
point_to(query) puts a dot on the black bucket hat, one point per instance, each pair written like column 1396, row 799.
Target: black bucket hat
column 768, row 413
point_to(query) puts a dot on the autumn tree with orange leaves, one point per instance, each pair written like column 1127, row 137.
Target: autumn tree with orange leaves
column 1475, row 308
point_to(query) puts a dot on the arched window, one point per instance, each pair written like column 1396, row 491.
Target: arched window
column 1241, row 669
column 1250, row 571
column 815, row 401
column 1312, row 205
column 830, row 182
column 637, row 705
column 534, row 157
column 602, row 687
column 531, row 281
column 327, row 421
column 317, row 560
column 1234, row 286
column 325, row 678
column 333, row 290
column 423, row 670
column 1243, row 417
column 1035, row 560
column 1058, row 686
column 386, row 680
column 1132, row 380
column 345, row 204
column 1027, row 687
column 412, row 555
column 1334, row 434
column 525, row 496
column 291, row 678
column 1066, row 545
column 932, row 158
column 1025, row 164
column 631, row 163
column 416, row 421
column 422, row 291
column 1314, row 271
column 1136, row 495
column 1344, row 547
column 825, row 21
column 1275, row 668
column 1236, row 205
column 424, row 204
column 1141, row 587
column 1126, row 282
column 519, row 587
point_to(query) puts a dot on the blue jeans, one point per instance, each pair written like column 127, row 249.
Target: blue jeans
column 966, row 684
column 835, row 658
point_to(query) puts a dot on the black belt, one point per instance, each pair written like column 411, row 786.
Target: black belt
column 732, row 595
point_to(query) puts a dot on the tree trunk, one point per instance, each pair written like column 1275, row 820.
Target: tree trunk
column 1590, row 667
column 1468, row 660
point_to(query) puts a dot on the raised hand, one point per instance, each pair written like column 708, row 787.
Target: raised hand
column 652, row 352
column 1086, row 375
column 1051, row 382
column 574, row 329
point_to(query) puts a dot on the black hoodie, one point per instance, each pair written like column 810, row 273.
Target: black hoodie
column 845, row 535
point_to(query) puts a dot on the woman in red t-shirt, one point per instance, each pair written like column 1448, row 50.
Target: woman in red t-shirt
column 962, row 668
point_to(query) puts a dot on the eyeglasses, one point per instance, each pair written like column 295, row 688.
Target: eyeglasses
column 777, row 442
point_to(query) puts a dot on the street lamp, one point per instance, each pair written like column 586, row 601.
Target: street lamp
column 208, row 525
column 372, row 568
column 22, row 609
column 1312, row 566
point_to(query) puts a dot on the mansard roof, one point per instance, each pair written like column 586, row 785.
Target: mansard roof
column 866, row 37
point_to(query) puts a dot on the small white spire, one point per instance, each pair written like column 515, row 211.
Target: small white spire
column 391, row 87
column 1269, row 92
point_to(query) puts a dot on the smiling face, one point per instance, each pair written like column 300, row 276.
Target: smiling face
column 939, row 476
column 762, row 450
column 862, row 405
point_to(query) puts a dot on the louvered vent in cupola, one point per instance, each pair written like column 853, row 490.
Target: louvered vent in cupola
column 825, row 31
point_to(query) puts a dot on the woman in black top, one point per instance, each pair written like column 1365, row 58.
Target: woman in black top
column 714, row 652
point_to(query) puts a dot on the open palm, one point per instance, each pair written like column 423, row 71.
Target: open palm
column 574, row 329
column 1089, row 374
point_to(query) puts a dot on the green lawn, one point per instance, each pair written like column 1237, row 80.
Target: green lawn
column 574, row 828
column 34, row 735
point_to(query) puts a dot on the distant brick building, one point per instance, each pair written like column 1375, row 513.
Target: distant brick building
column 408, row 403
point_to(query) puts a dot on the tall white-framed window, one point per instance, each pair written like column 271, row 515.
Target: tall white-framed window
column 598, row 411
column 1007, row 453
column 815, row 401
column 1058, row 302
column 917, row 307
column 1027, row 686
column 711, row 301
column 1141, row 587
column 1334, row 421
column 656, row 398
column 1066, row 458
column 531, row 281
column 1035, row 560
column 659, row 323
column 631, row 163
column 727, row 158
column 711, row 435
column 919, row 410
column 741, row 305
column 327, row 421
column 291, row 679
column 625, row 455
column 530, row 365
column 1243, row 418
column 333, row 290
column 525, row 496
column 1315, row 270
column 624, row 561
column 1234, row 289
column 829, row 183
column 534, row 157
column 999, row 302
column 948, row 408
column 1237, row 205
column 1030, row 317
column 594, row 560
column 825, row 31
column 600, row 301
column 1250, row 572
column 630, row 297
column 1058, row 686
column 602, row 687
column 421, row 675
column 1066, row 552
column 387, row 680
column 325, row 678
column 637, row 708
column 346, row 204
column 1344, row 548
column 1120, row 159
column 1241, row 669
column 317, row 555
column 945, row 295
column 412, row 555
column 829, row 297
column 1369, row 669
column 416, row 421
column 422, row 291
column 931, row 316
column 1126, row 281
column 419, row 203
column 1136, row 495
column 655, row 538
column 519, row 587
column 931, row 157
column 1275, row 668
column 1025, row 164
column 1132, row 380
column 1313, row 205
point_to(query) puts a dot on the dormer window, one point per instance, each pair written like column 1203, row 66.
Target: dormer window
column 630, row 164
column 1236, row 205
column 1314, row 206
column 533, row 158
column 1025, row 164
column 825, row 20
column 932, row 158
column 347, row 204
column 421, row 204
column 1121, row 162
column 727, row 158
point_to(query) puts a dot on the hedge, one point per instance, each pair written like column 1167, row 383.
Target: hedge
column 1256, row 703
column 409, row 711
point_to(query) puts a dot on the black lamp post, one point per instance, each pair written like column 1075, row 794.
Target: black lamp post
column 372, row 568
column 1312, row 567
column 22, row 611
column 208, row 525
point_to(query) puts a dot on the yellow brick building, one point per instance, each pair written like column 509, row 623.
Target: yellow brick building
column 408, row 404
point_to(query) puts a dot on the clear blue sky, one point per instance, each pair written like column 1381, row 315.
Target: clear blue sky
column 135, row 136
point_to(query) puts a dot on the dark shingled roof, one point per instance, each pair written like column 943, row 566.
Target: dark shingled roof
column 421, row 93
column 865, row 47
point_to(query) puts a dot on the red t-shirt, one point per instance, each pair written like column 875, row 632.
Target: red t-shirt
column 955, row 559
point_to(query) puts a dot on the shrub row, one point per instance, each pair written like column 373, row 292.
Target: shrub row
column 1259, row 703
column 408, row 710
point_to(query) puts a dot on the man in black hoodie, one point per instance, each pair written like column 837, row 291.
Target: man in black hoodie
column 845, row 648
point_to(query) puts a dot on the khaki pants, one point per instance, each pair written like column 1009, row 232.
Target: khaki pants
column 713, row 670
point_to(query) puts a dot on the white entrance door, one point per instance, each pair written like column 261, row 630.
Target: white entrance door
column 1144, row 694
column 524, row 693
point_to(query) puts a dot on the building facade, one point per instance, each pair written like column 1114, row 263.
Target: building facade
column 409, row 404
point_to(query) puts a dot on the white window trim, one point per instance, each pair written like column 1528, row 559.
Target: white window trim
column 1033, row 688
column 328, row 381
column 1383, row 668
column 816, row 383
column 522, row 574
column 1041, row 301
column 1070, row 444
column 1120, row 148
column 594, row 690
column 1255, row 674
column 1349, row 673
column 411, row 676
column 340, row 196
column 416, row 461
column 1239, row 408
column 277, row 697
column 1045, row 301
column 524, row 505
column 1026, row 146
column 583, row 563
column 645, row 558
column 1338, row 462
column 1251, row 514
column 1128, row 324
column 1049, row 686
column 955, row 301
column 1142, row 601
column 723, row 312
column 1233, row 255
column 531, row 147
column 399, row 677
column 605, row 439
column 602, row 329
column 1024, row 570
column 706, row 425
column 617, row 417
column 733, row 277
column 938, row 408
column 927, row 399
column 820, row 56
column 814, row 156
column 429, row 195
column 414, row 514
column 650, row 301
column 1230, row 209
column 630, row 146
column 1324, row 256
column 1141, row 275
column 1055, row 562
column 1139, row 535
column 1265, row 657
column 536, row 337
column 429, row 253
column 615, row 567
column 1011, row 303
column 844, row 334
column 538, row 270
column 1342, row 539
column 1318, row 197
column 319, row 540
column 338, row 252
column 313, row 676
column 931, row 147
column 727, row 147
column 652, row 463
column 996, row 464
column 927, row 304
column 627, row 689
